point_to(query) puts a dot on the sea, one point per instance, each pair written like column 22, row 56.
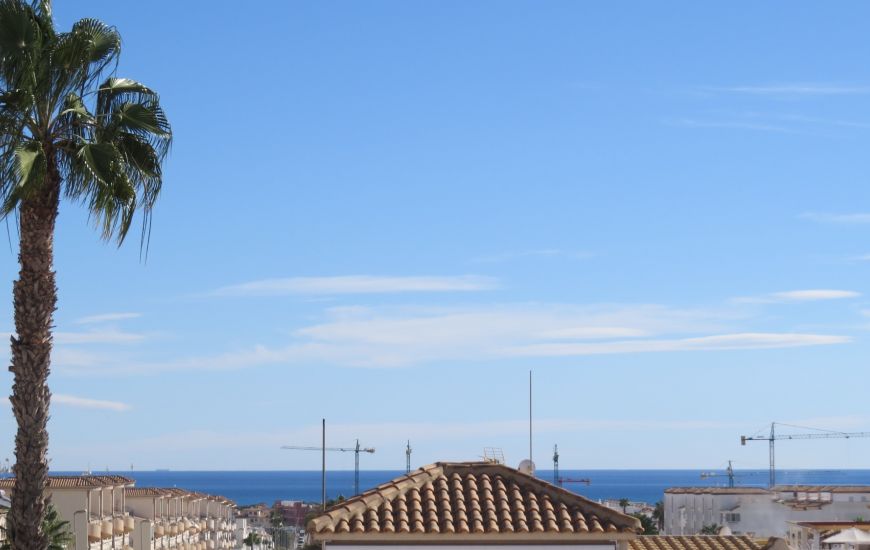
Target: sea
column 251, row 487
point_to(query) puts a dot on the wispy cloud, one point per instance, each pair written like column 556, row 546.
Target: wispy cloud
column 793, row 89
column 785, row 123
column 535, row 253
column 827, row 217
column 730, row 124
column 719, row 342
column 357, row 284
column 398, row 337
column 106, row 318
column 87, row 403
column 83, row 403
column 98, row 337
column 384, row 433
column 812, row 295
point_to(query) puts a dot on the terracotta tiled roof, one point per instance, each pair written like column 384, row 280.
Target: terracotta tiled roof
column 469, row 499
column 700, row 542
column 75, row 482
column 717, row 490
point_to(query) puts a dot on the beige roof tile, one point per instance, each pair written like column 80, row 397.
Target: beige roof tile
column 75, row 482
column 697, row 542
column 717, row 490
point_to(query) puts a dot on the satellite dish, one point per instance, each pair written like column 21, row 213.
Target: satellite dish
column 527, row 467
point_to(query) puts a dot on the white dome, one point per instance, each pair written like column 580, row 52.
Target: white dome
column 527, row 467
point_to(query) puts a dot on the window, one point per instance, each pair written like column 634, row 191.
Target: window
column 732, row 517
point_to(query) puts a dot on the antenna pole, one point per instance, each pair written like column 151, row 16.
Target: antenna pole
column 323, row 466
column 530, row 417
column 408, row 458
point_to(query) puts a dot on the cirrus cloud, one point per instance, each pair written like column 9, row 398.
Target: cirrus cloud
column 357, row 284
column 811, row 295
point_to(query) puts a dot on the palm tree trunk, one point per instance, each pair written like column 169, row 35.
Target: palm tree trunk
column 34, row 298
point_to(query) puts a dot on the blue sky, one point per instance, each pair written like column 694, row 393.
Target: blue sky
column 387, row 213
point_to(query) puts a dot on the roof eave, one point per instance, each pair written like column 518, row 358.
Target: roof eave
column 370, row 538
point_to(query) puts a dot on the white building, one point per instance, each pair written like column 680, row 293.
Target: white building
column 106, row 512
column 761, row 512
column 176, row 518
column 94, row 507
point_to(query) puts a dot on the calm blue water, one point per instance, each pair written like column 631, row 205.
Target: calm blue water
column 644, row 485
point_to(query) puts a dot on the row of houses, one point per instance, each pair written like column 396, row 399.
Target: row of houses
column 107, row 512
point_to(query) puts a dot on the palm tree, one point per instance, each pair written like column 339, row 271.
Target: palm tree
column 65, row 130
column 659, row 515
column 56, row 530
column 623, row 503
column 712, row 529
column 252, row 539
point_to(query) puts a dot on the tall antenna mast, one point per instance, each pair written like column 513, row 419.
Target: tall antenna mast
column 323, row 470
column 408, row 458
column 530, row 417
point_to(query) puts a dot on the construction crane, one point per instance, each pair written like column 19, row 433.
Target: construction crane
column 356, row 450
column 560, row 481
column 773, row 437
column 729, row 471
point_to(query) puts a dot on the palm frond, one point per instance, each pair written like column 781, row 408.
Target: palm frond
column 81, row 55
column 115, row 91
column 29, row 172
column 20, row 44
column 42, row 8
column 96, row 175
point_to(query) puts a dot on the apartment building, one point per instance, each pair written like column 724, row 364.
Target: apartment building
column 93, row 505
column 759, row 512
column 176, row 518
column 106, row 512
